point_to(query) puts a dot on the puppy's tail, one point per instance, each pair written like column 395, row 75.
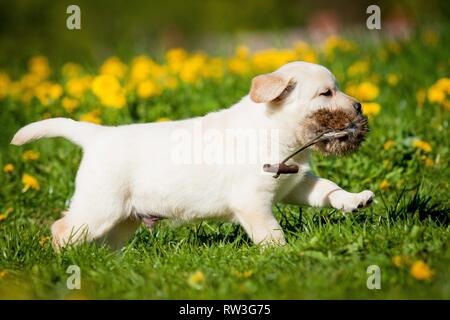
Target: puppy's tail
column 78, row 132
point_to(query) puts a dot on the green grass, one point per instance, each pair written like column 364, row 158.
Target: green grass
column 327, row 253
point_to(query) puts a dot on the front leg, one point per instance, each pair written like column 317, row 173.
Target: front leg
column 318, row 192
column 260, row 225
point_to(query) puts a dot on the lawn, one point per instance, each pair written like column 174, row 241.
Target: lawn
column 405, row 89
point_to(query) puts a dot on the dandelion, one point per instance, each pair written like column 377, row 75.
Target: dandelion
column 421, row 271
column 39, row 67
column 271, row 59
column 3, row 274
column 420, row 97
column 196, row 279
column 108, row 89
column 368, row 91
column 163, row 119
column 8, row 168
column 4, row 84
column 365, row 91
column 70, row 104
column 141, row 68
column 358, row 68
column 176, row 58
column 371, row 109
column 113, row 67
column 435, row 95
column 388, row 144
column 384, row 184
column 29, row 182
column 148, row 88
column 400, row 261
column 30, row 155
column 92, row 117
column 392, row 79
column 77, row 87
column 422, row 145
column 43, row 240
column 71, row 70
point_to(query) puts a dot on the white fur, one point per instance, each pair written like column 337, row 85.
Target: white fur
column 129, row 170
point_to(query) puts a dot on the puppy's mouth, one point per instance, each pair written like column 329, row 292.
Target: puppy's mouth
column 329, row 131
column 341, row 131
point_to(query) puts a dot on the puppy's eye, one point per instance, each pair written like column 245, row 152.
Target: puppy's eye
column 327, row 93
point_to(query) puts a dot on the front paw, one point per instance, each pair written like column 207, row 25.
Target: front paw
column 351, row 202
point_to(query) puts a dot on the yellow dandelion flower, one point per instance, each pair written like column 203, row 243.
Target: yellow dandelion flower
column 30, row 155
column 271, row 59
column 421, row 271
column 242, row 52
column 43, row 240
column 238, row 66
column 29, row 182
column 5, row 83
column 435, row 95
column 358, row 68
column 70, row 104
column 397, row 261
column 92, row 117
column 371, row 109
column 117, row 100
column 104, row 85
column 163, row 119
column 114, row 67
column 392, row 79
column 3, row 274
column 367, row 91
column 148, row 88
column 420, row 97
column 388, row 144
column 196, row 279
column 78, row 86
column 8, row 168
column 384, row 184
column 175, row 58
column 39, row 67
column 71, row 70
column 400, row 261
column 48, row 92
column 443, row 84
column 141, row 68
column 422, row 145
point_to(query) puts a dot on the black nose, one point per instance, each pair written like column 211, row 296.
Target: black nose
column 357, row 107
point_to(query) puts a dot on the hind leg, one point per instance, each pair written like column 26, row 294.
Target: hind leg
column 120, row 233
column 96, row 209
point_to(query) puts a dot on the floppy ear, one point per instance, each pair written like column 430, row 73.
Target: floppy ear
column 268, row 87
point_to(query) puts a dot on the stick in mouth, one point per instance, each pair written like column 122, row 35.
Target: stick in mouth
column 331, row 131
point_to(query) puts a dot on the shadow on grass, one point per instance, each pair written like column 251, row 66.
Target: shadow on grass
column 422, row 206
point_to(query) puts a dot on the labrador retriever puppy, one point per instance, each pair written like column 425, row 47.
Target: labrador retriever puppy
column 145, row 172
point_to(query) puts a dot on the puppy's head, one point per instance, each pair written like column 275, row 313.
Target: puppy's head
column 303, row 97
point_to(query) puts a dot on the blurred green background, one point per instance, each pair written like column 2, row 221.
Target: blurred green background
column 125, row 28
